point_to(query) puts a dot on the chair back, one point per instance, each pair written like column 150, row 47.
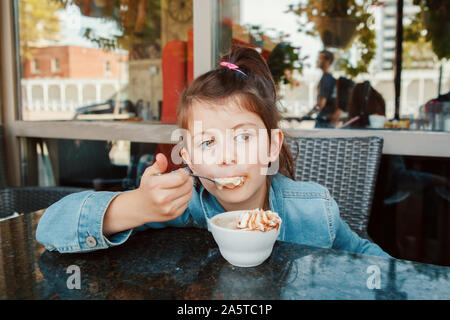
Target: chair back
column 29, row 199
column 348, row 167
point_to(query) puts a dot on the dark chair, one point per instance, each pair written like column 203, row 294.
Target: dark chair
column 348, row 167
column 26, row 199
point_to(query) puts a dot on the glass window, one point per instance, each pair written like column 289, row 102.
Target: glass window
column 107, row 68
column 409, row 216
column 55, row 65
column 81, row 58
column 426, row 68
column 352, row 84
column 35, row 66
column 100, row 165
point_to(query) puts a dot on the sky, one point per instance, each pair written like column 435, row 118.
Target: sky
column 73, row 24
column 270, row 14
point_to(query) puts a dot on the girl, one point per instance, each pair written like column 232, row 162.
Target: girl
column 229, row 123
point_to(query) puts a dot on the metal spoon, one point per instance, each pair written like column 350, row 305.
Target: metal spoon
column 218, row 184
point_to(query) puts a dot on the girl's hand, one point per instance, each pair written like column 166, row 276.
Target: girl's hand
column 165, row 196
column 158, row 199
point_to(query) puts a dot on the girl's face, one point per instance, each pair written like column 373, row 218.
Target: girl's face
column 229, row 141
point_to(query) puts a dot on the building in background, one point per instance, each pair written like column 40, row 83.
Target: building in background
column 58, row 79
column 73, row 62
column 385, row 24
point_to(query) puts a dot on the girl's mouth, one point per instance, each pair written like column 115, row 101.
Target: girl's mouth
column 236, row 186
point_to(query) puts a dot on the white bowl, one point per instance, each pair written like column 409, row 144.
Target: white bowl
column 377, row 121
column 243, row 248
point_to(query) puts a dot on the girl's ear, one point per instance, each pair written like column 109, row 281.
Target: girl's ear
column 276, row 143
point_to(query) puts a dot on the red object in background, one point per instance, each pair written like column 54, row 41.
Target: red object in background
column 174, row 78
column 178, row 71
column 166, row 149
column 190, row 56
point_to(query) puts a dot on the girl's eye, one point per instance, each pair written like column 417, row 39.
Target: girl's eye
column 206, row 144
column 242, row 137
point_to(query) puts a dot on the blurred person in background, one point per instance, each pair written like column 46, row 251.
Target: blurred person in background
column 326, row 93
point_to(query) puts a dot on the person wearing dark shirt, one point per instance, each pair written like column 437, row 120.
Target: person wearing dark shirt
column 326, row 93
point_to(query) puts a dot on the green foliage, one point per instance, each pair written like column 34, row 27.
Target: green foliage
column 364, row 39
column 283, row 59
column 418, row 54
column 432, row 24
column 38, row 24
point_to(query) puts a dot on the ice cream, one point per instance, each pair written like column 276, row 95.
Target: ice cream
column 258, row 220
column 228, row 182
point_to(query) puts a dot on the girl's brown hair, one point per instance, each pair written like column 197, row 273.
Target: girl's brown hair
column 253, row 89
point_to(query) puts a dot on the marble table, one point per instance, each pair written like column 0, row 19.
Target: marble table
column 185, row 263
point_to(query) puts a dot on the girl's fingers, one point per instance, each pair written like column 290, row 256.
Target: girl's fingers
column 181, row 191
column 181, row 203
column 159, row 166
column 164, row 196
column 170, row 180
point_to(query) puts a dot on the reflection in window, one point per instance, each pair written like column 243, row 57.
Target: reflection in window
column 361, row 35
column 100, row 165
column 101, row 52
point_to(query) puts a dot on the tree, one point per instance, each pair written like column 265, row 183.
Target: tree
column 418, row 54
column 429, row 29
column 313, row 11
column 38, row 25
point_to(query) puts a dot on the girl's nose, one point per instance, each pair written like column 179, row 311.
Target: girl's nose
column 228, row 161
column 227, row 155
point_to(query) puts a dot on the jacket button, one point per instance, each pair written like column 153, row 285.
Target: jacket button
column 91, row 241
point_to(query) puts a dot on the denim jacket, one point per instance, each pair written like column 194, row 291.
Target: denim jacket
column 310, row 217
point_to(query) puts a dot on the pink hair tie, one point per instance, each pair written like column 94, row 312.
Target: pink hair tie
column 231, row 66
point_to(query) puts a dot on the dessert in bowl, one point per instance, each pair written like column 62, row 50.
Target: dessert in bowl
column 245, row 237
